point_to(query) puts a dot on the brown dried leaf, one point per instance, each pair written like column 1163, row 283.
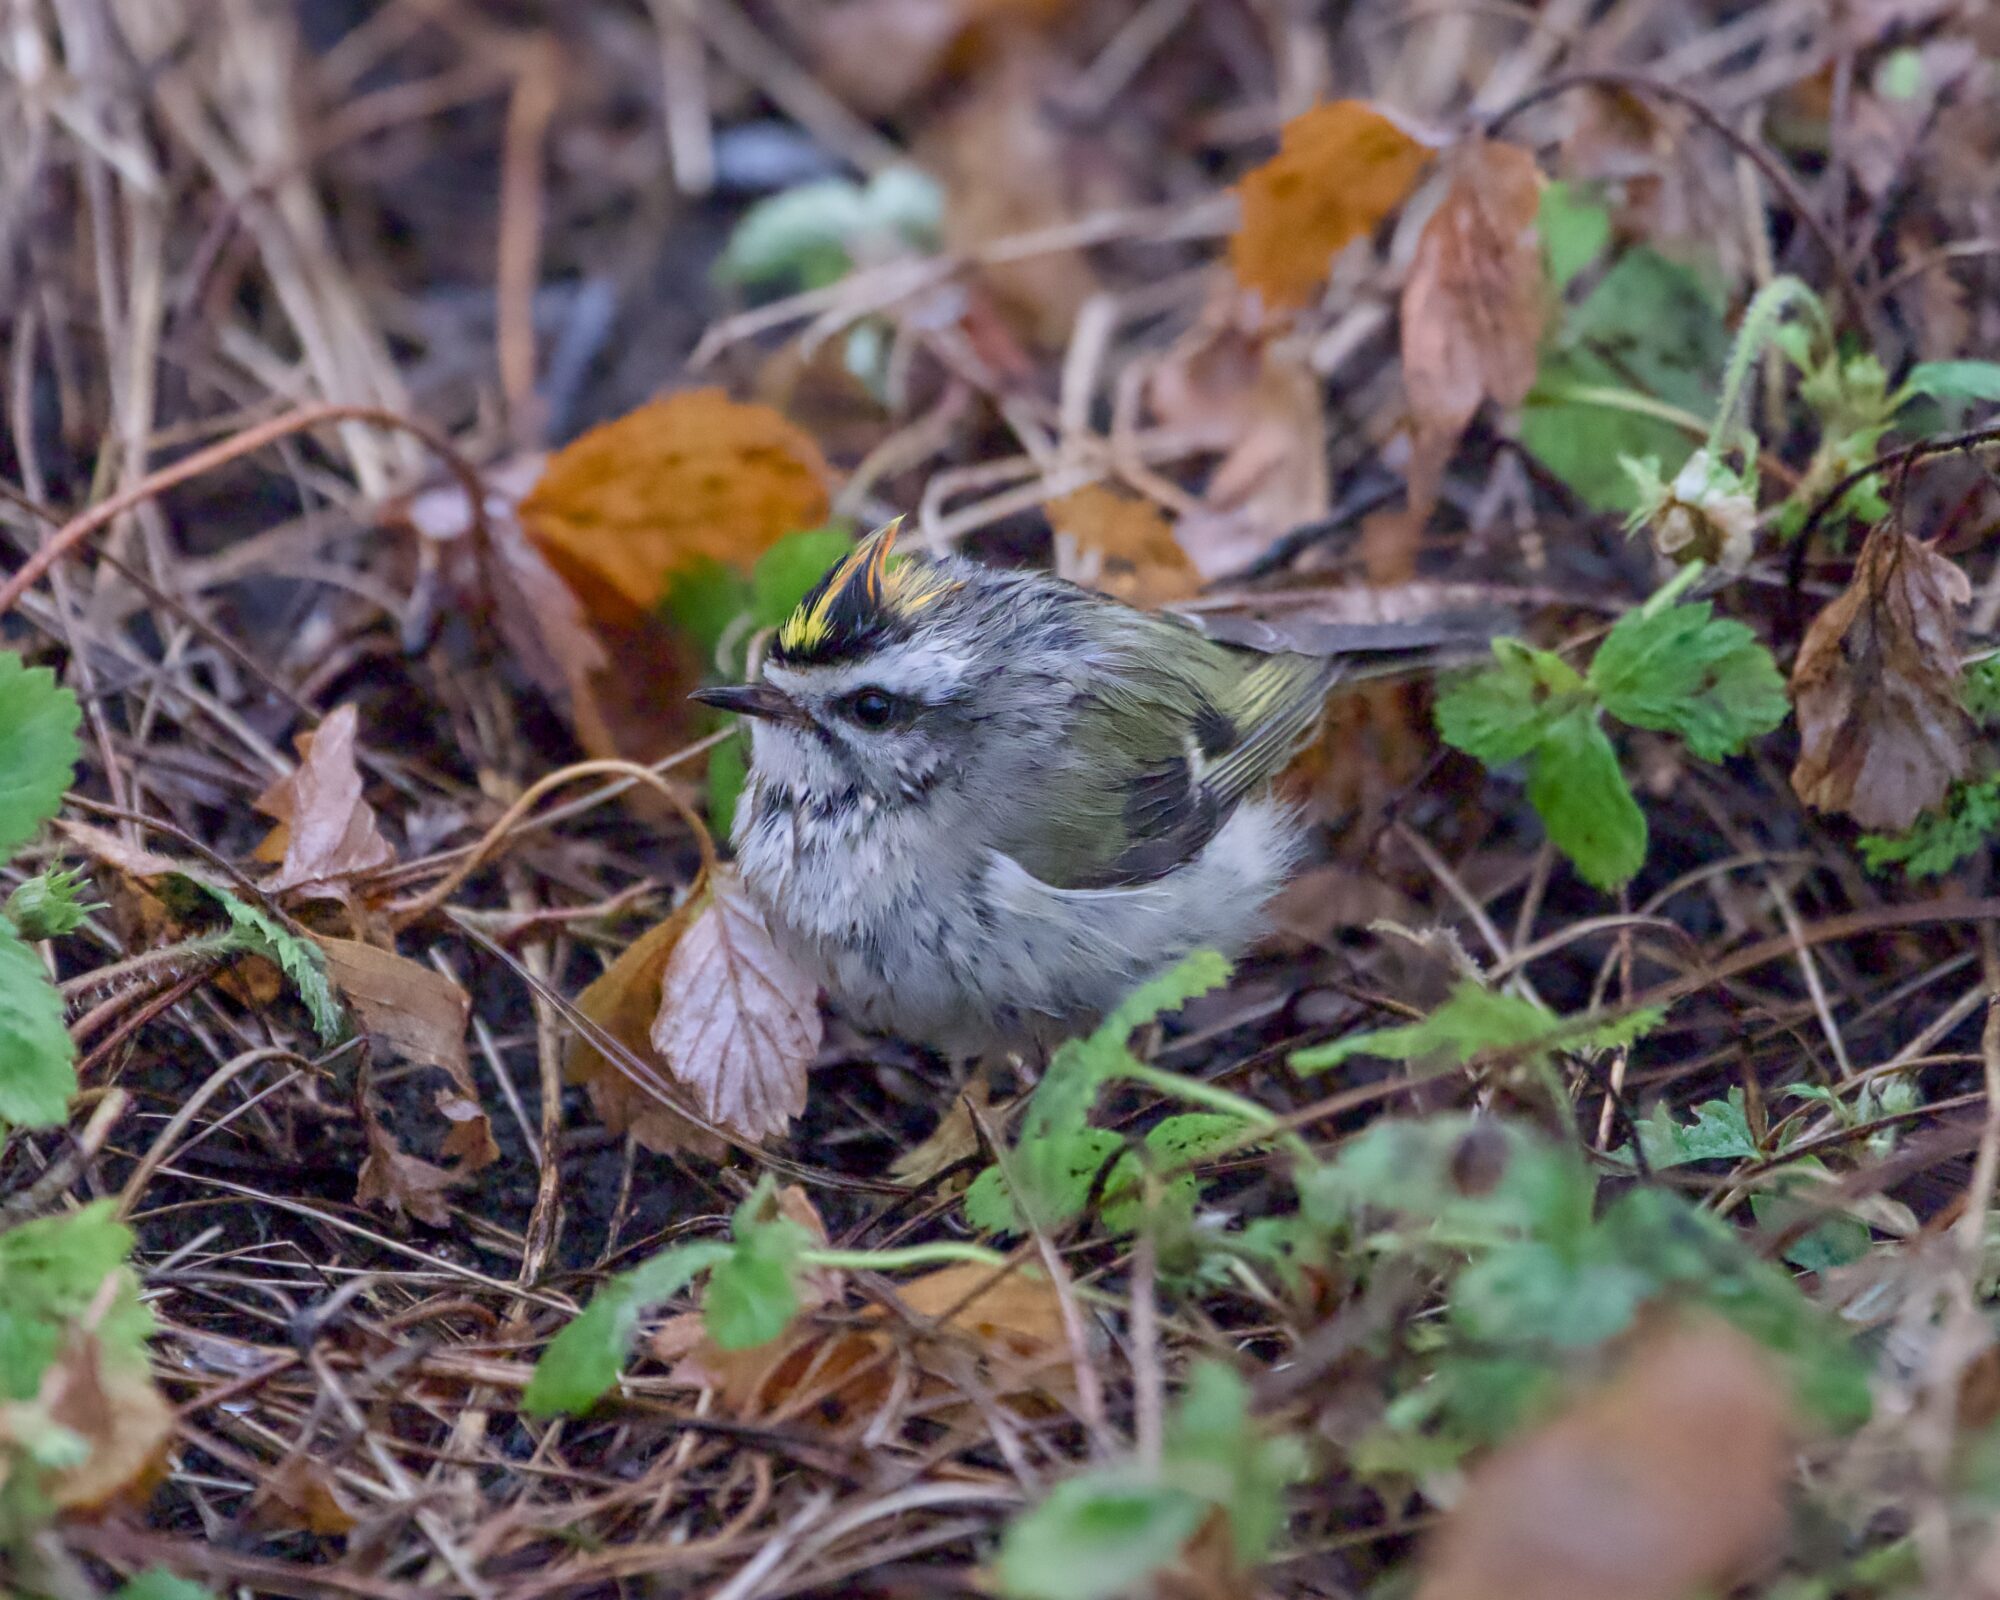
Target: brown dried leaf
column 1474, row 303
column 1882, row 730
column 113, row 1407
column 1340, row 169
column 623, row 1000
column 1264, row 408
column 420, row 1014
column 696, row 475
column 966, row 1326
column 400, row 1182
column 1122, row 546
column 326, row 832
column 1626, row 1496
column 739, row 1024
column 954, row 1139
column 300, row 1493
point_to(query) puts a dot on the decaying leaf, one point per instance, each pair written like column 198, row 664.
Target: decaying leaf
column 1882, row 730
column 302, row 1493
column 968, row 1329
column 422, row 1015
column 399, row 1182
column 1122, row 545
column 326, row 831
column 954, row 1139
column 693, row 476
column 624, row 1000
column 1340, row 169
column 1667, row 1482
column 1261, row 406
column 1473, row 304
column 111, row 1408
column 739, row 1024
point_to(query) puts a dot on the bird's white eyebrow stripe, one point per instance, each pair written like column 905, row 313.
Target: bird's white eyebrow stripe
column 919, row 670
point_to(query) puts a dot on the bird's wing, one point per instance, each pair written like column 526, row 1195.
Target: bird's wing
column 1161, row 761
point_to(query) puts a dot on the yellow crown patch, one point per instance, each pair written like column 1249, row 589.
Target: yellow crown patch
column 859, row 596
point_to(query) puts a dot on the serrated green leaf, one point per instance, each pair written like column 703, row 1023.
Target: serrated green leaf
column 1530, row 1293
column 1500, row 713
column 1215, row 1450
column 50, row 904
column 1094, row 1537
column 1956, row 380
column 1174, row 1142
column 583, row 1361
column 1160, row 997
column 1939, row 840
column 51, row 1270
column 38, row 748
column 258, row 933
column 1720, row 1132
column 1582, row 798
column 1475, row 1019
column 1058, row 1171
column 37, row 1058
column 1684, row 670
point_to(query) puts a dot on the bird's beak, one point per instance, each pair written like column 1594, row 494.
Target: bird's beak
column 753, row 700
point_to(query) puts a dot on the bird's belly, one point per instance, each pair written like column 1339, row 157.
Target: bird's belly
column 972, row 953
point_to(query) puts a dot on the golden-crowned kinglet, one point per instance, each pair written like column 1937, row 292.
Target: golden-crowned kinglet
column 983, row 804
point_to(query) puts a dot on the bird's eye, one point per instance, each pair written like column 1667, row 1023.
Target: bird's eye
column 873, row 708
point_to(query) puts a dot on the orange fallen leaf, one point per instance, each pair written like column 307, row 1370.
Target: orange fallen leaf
column 326, row 831
column 623, row 1000
column 693, row 476
column 1883, row 732
column 422, row 1015
column 1474, row 303
column 1669, row 1481
column 739, row 1024
column 1120, row 545
column 966, row 1326
column 1341, row 168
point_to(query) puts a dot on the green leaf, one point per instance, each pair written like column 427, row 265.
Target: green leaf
column 1095, row 1536
column 1683, row 670
column 1956, row 380
column 1581, row 796
column 1650, row 328
column 702, row 600
column 37, row 1058
column 299, row 959
column 1502, row 712
column 1473, row 1020
column 38, row 749
column 1838, row 1241
column 809, row 233
column 1939, row 840
column 156, row 1583
column 583, row 1361
column 786, row 572
column 1058, row 1154
column 51, row 1270
column 50, row 904
column 1174, row 1142
column 1530, row 1293
column 1574, row 232
column 1980, row 690
column 1720, row 1132
column 750, row 1295
column 1215, row 1450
